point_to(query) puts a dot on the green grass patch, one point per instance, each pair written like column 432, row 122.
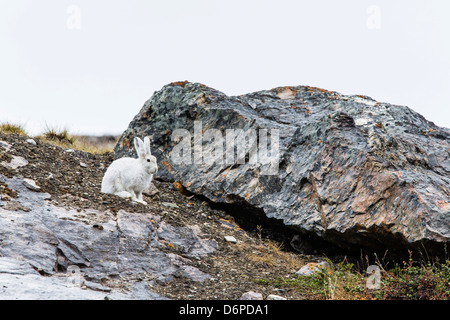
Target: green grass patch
column 343, row 281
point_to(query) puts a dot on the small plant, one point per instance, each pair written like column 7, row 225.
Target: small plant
column 260, row 230
column 418, row 282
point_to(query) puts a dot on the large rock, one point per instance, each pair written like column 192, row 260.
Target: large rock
column 49, row 252
column 349, row 170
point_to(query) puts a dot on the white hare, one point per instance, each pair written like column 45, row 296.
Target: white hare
column 128, row 177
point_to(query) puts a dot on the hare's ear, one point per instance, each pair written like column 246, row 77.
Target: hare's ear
column 147, row 145
column 139, row 146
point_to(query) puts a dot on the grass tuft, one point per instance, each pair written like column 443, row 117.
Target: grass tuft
column 62, row 138
column 272, row 254
column 10, row 128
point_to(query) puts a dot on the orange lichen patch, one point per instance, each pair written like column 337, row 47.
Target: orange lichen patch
column 181, row 189
column 317, row 90
column 188, row 184
column 247, row 196
column 178, row 185
column 180, row 83
column 379, row 125
column 286, row 93
column 314, row 267
column 326, row 269
column 229, row 224
column 167, row 166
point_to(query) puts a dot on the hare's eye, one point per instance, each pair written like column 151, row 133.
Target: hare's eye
column 148, row 160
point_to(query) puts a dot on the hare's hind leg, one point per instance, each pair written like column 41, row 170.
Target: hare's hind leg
column 119, row 189
column 124, row 194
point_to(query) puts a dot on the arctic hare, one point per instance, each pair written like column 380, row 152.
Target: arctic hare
column 128, row 177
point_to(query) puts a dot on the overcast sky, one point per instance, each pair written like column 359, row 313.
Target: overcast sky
column 89, row 65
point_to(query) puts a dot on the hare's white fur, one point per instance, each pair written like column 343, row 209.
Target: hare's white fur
column 128, row 177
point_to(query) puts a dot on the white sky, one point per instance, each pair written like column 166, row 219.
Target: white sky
column 95, row 79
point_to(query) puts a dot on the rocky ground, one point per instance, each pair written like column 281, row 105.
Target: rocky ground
column 72, row 179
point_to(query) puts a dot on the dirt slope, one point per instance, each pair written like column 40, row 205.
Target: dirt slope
column 73, row 180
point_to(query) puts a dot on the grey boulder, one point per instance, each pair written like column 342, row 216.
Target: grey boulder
column 348, row 170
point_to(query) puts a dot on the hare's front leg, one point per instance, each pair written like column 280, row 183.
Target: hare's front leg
column 137, row 197
column 140, row 198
